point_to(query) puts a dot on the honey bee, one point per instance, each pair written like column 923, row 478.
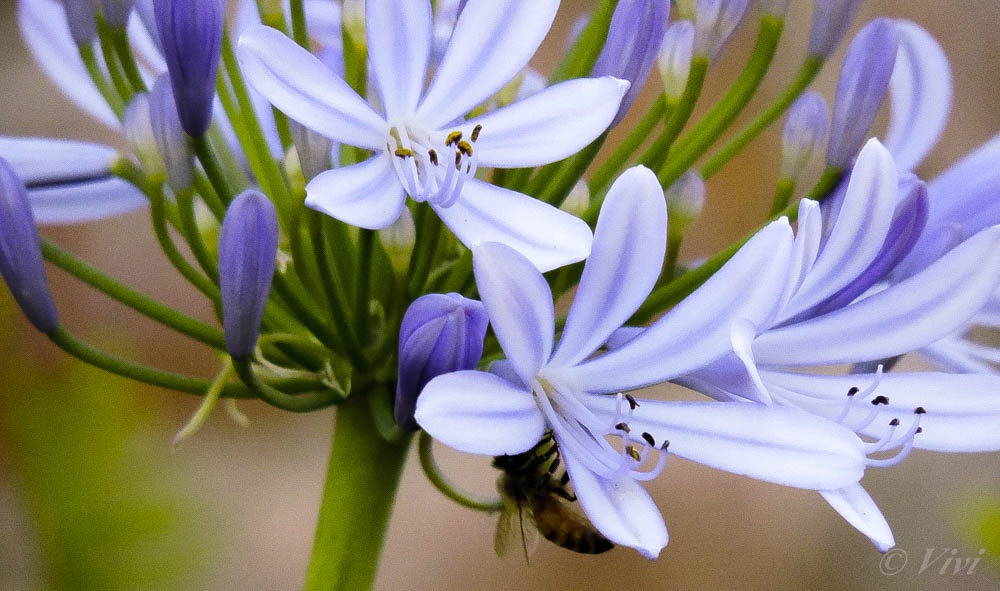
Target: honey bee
column 537, row 500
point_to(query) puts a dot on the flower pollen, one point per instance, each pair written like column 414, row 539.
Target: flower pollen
column 422, row 172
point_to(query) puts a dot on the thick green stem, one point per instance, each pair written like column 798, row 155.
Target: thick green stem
column 360, row 490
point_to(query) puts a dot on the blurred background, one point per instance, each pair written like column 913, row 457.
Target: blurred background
column 94, row 496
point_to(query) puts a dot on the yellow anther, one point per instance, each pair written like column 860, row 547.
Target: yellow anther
column 453, row 138
column 404, row 152
column 465, row 147
column 475, row 132
column 433, row 157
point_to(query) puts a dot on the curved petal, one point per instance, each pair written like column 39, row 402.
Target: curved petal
column 962, row 410
column 859, row 232
column 40, row 161
column 298, row 83
column 783, row 445
column 519, row 303
column 547, row 236
column 399, row 45
column 367, row 195
column 920, row 91
column 547, row 126
column 491, row 43
column 44, row 28
column 732, row 377
column 918, row 311
column 84, row 202
column 479, row 413
column 624, row 263
column 856, row 506
column 697, row 330
column 620, row 509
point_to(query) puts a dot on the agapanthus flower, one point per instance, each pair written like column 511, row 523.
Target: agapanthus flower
column 830, row 314
column 563, row 388
column 422, row 145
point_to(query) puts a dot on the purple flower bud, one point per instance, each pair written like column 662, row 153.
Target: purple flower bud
column 863, row 85
column 831, row 19
column 21, row 263
column 440, row 333
column 116, row 12
column 248, row 245
column 714, row 24
column 191, row 37
column 675, row 58
column 778, row 8
column 81, row 16
column 634, row 38
column 805, row 130
column 173, row 143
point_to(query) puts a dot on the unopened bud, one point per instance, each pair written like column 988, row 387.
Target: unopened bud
column 313, row 149
column 714, row 24
column 398, row 240
column 805, row 130
column 578, row 200
column 138, row 125
column 248, row 245
column 685, row 201
column 674, row 60
column 440, row 333
column 21, row 263
column 173, row 143
column 830, row 21
column 116, row 12
column 777, row 8
column 81, row 17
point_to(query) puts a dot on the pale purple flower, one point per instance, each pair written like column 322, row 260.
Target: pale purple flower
column 830, row 21
column 422, row 145
column 714, row 23
column 804, row 133
column 563, row 388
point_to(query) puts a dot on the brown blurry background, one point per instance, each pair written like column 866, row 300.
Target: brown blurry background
column 234, row 508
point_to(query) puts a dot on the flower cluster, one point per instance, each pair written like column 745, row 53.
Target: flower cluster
column 384, row 202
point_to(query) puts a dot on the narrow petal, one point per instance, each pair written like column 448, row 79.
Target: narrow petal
column 43, row 25
column 697, row 330
column 920, row 91
column 85, row 202
column 296, row 82
column 856, row 506
column 40, row 161
column 399, row 45
column 548, row 126
column 491, row 43
column 733, row 377
column 962, row 410
column 625, row 261
column 479, row 413
column 519, row 303
column 620, row 509
column 783, row 445
column 900, row 319
column 547, row 236
column 367, row 195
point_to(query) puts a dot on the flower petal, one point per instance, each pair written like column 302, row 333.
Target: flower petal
column 856, row 506
column 620, row 509
column 45, row 30
column 85, row 202
column 491, row 43
column 479, row 413
column 399, row 45
column 298, row 83
column 547, row 126
column 920, row 91
column 40, row 161
column 547, row 236
column 783, row 445
column 519, row 303
column 697, row 330
column 915, row 312
column 367, row 195
column 624, row 263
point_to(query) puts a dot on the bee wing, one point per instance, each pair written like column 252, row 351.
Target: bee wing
column 515, row 529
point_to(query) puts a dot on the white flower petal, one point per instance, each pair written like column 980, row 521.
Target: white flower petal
column 547, row 236
column 624, row 263
column 620, row 509
column 697, row 330
column 856, row 506
column 920, row 91
column 783, row 445
column 479, row 413
column 41, row 160
column 367, row 195
column 399, row 45
column 298, row 83
column 859, row 232
column 84, row 202
column 900, row 319
column 44, row 28
column 548, row 126
column 962, row 410
column 491, row 43
column 519, row 303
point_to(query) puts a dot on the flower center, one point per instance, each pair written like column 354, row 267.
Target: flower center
column 895, row 439
column 432, row 167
